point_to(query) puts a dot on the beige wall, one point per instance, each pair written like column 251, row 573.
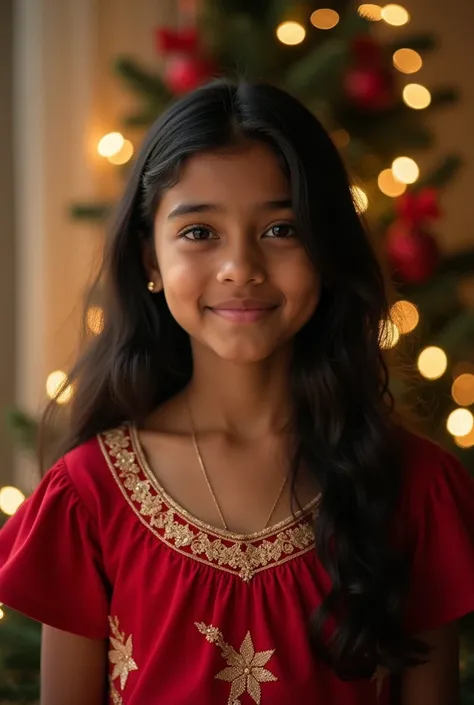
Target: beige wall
column 7, row 292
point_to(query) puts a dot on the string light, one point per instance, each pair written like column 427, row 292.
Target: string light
column 361, row 201
column 407, row 60
column 416, row 96
column 395, row 15
column 405, row 315
column 123, row 155
column 466, row 441
column 10, row 499
column 462, row 389
column 389, row 335
column 432, row 362
column 405, row 170
column 54, row 385
column 389, row 184
column 95, row 320
column 460, row 422
column 370, row 12
column 110, row 144
column 290, row 33
column 324, row 18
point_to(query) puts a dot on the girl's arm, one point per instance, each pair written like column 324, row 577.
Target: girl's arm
column 73, row 669
column 437, row 682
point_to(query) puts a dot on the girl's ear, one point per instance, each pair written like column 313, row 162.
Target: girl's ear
column 152, row 269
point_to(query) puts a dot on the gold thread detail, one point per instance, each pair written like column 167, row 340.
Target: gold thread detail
column 245, row 669
column 239, row 556
column 121, row 657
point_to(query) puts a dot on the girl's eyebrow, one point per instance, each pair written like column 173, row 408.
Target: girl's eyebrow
column 191, row 208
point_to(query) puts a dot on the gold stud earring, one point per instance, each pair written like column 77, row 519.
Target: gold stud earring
column 151, row 286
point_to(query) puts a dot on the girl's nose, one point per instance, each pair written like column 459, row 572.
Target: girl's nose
column 241, row 264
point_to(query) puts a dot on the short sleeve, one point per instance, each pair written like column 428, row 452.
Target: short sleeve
column 442, row 544
column 50, row 560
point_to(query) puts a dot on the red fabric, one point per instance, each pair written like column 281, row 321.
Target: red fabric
column 100, row 550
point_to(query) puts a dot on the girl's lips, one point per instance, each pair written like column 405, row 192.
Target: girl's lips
column 243, row 315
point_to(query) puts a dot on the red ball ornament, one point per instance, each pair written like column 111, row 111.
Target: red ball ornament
column 369, row 88
column 413, row 253
column 183, row 73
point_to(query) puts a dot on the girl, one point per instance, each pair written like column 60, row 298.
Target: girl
column 238, row 515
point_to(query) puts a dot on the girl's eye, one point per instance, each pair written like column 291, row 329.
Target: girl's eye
column 197, row 233
column 281, row 231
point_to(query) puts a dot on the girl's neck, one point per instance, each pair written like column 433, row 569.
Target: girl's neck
column 247, row 400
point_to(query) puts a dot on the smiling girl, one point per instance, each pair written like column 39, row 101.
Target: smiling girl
column 238, row 514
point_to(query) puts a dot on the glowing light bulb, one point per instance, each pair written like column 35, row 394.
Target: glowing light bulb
column 55, row 383
column 110, row 144
column 416, row 96
column 10, row 500
column 432, row 362
column 370, row 12
column 389, row 335
column 290, row 33
column 395, row 15
column 405, row 315
column 406, row 170
column 123, row 155
column 460, row 422
column 407, row 60
column 361, row 202
column 324, row 18
column 389, row 184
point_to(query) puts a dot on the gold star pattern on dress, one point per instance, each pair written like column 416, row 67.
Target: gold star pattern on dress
column 121, row 653
column 245, row 669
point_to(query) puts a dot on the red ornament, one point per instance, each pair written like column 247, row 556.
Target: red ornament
column 369, row 88
column 183, row 73
column 412, row 251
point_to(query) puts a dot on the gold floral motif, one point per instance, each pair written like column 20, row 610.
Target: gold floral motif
column 241, row 557
column 120, row 656
column 245, row 669
column 115, row 696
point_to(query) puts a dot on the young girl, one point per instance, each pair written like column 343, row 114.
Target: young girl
column 238, row 515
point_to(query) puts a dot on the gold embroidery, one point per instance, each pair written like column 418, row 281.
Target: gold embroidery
column 115, row 696
column 241, row 557
column 245, row 669
column 121, row 658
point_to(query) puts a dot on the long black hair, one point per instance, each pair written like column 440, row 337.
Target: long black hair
column 344, row 414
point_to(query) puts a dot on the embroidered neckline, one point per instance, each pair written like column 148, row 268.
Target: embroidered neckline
column 241, row 554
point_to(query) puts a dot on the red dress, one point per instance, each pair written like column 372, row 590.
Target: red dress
column 199, row 616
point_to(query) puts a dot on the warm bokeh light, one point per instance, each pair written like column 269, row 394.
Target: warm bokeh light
column 124, row 155
column 110, row 144
column 405, row 315
column 290, row 33
column 95, row 319
column 466, row 441
column 324, row 18
column 370, row 12
column 360, row 199
column 460, row 422
column 54, row 384
column 407, row 60
column 416, row 96
column 395, row 15
column 389, row 185
column 340, row 137
column 2, row 613
column 10, row 500
column 462, row 389
column 389, row 335
column 432, row 362
column 405, row 170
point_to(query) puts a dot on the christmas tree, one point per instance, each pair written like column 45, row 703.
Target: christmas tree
column 361, row 88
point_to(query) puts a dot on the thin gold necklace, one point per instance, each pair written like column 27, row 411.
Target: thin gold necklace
column 206, row 477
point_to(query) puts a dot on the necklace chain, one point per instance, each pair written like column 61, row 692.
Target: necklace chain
column 206, row 477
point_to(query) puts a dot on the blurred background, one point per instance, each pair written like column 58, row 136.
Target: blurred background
column 81, row 80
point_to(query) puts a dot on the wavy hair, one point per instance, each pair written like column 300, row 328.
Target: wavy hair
column 344, row 417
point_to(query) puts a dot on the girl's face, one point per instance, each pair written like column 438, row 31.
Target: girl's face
column 234, row 273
